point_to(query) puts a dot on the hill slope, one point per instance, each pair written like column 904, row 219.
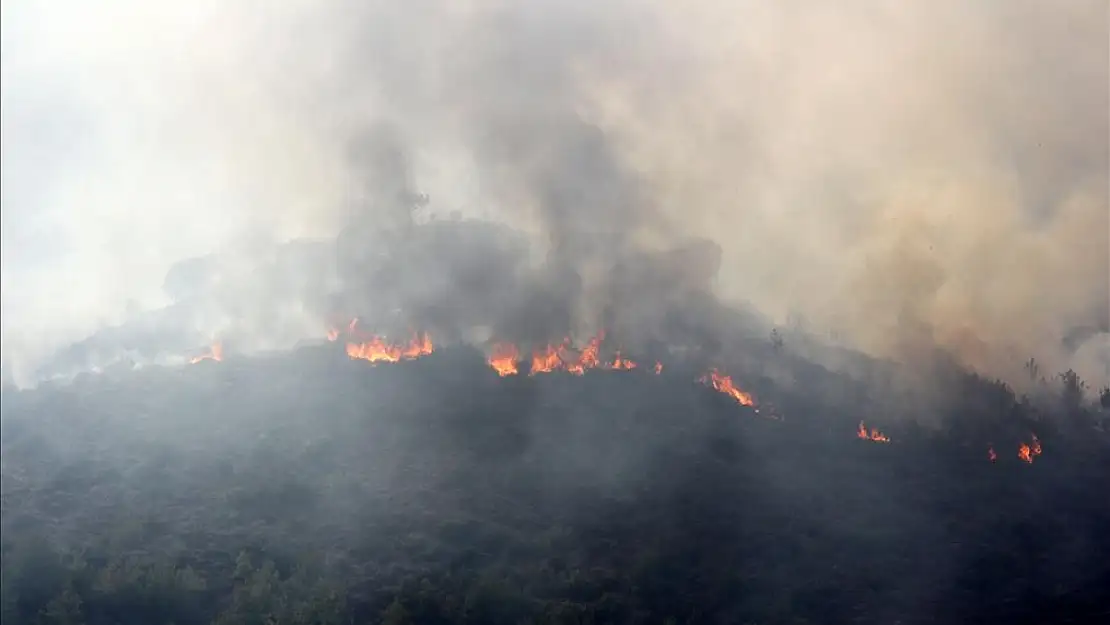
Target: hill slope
column 307, row 488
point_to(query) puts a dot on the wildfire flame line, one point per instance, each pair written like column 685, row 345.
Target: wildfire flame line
column 505, row 359
column 378, row 349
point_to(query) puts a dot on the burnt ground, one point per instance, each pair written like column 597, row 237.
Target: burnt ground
column 306, row 488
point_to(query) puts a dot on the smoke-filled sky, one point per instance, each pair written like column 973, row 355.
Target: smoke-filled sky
column 902, row 175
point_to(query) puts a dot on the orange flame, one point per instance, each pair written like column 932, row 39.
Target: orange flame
column 555, row 357
column 504, row 359
column 545, row 360
column 990, row 453
column 1031, row 451
column 216, row 352
column 724, row 384
column 873, row 435
column 1025, row 453
column 378, row 350
column 588, row 358
column 623, row 364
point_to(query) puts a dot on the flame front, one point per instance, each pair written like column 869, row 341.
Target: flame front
column 724, row 384
column 873, row 435
column 216, row 352
column 1030, row 451
column 504, row 359
column 378, row 349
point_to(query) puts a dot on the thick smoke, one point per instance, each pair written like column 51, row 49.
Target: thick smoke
column 912, row 179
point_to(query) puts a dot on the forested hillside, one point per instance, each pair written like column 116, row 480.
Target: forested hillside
column 311, row 488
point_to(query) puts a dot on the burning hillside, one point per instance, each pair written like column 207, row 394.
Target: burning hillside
column 410, row 289
column 705, row 323
column 507, row 359
column 426, row 468
column 379, row 350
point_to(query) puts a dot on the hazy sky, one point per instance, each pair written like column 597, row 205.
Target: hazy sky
column 907, row 174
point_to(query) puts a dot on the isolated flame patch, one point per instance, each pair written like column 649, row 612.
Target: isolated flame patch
column 871, row 435
column 1027, row 452
column 724, row 384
